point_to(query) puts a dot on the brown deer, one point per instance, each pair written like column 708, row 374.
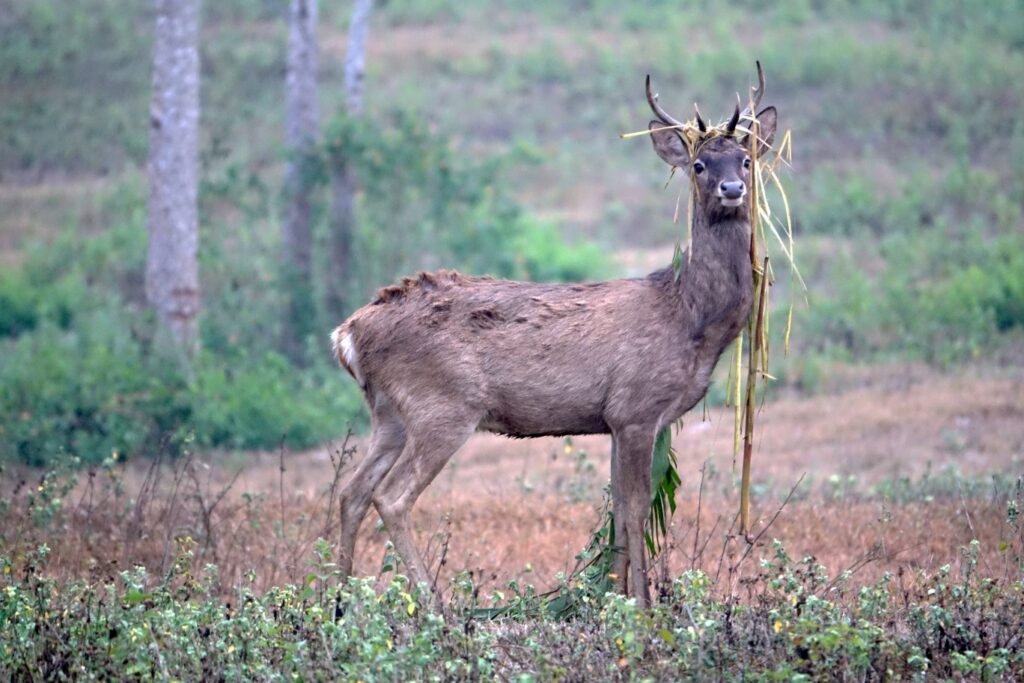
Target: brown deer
column 443, row 355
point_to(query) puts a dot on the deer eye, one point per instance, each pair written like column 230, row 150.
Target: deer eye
column 698, row 167
column 746, row 163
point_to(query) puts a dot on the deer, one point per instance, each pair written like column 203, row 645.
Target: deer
column 443, row 355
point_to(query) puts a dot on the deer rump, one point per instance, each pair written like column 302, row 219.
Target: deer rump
column 537, row 359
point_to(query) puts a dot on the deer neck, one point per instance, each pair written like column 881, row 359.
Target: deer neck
column 715, row 284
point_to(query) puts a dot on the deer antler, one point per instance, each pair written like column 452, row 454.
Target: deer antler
column 700, row 122
column 730, row 127
column 755, row 93
column 652, row 100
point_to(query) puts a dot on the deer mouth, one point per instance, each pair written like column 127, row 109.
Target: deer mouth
column 733, row 202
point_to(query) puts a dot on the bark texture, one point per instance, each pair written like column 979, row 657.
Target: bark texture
column 343, row 180
column 172, row 267
column 300, row 134
column 355, row 56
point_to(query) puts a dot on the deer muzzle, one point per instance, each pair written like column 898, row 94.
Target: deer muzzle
column 732, row 193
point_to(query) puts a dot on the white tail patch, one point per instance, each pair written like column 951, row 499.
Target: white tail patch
column 345, row 351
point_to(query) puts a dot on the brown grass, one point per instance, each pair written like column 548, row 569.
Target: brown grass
column 523, row 509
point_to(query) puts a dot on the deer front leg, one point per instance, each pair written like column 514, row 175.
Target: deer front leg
column 634, row 444
column 620, row 563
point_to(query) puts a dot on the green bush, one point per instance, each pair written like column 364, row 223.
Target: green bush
column 80, row 375
column 446, row 208
column 942, row 294
column 98, row 389
column 796, row 623
column 265, row 401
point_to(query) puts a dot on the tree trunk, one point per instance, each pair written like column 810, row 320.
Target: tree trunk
column 355, row 56
column 343, row 182
column 172, row 267
column 300, row 136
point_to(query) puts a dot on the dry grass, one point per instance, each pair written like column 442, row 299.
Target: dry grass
column 523, row 509
column 35, row 213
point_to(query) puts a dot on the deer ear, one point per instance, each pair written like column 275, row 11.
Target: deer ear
column 767, row 119
column 668, row 145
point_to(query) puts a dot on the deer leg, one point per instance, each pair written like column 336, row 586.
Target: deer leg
column 620, row 563
column 386, row 442
column 426, row 452
column 635, row 444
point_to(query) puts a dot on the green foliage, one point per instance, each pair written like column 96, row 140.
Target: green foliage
column 82, row 376
column 25, row 302
column 176, row 626
column 57, row 107
column 96, row 389
column 84, row 392
column 664, row 482
column 942, row 295
column 424, row 204
column 801, row 624
column 265, row 401
column 542, row 255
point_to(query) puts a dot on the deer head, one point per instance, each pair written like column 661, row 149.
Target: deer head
column 718, row 160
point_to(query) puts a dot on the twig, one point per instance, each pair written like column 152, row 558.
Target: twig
column 752, row 544
column 339, row 459
column 142, row 501
column 728, row 539
column 206, row 511
column 169, row 514
column 280, row 480
column 700, row 501
column 446, row 536
column 707, row 539
column 970, row 524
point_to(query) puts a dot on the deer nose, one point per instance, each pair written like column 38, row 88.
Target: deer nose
column 732, row 190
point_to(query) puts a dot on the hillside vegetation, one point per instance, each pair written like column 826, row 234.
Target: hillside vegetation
column 490, row 133
column 492, row 145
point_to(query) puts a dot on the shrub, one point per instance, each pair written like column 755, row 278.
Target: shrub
column 97, row 389
column 424, row 204
column 80, row 375
column 799, row 624
column 941, row 294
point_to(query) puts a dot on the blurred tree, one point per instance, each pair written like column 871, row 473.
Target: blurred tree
column 343, row 180
column 300, row 136
column 172, row 267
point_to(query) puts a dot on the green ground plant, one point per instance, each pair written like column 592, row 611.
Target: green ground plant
column 797, row 623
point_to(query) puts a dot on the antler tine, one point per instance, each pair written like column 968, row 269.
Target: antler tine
column 756, row 93
column 700, row 122
column 652, row 100
column 730, row 127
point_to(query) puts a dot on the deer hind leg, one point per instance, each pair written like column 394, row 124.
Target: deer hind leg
column 386, row 443
column 430, row 445
column 634, row 449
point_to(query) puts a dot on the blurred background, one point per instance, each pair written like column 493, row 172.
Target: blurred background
column 488, row 141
